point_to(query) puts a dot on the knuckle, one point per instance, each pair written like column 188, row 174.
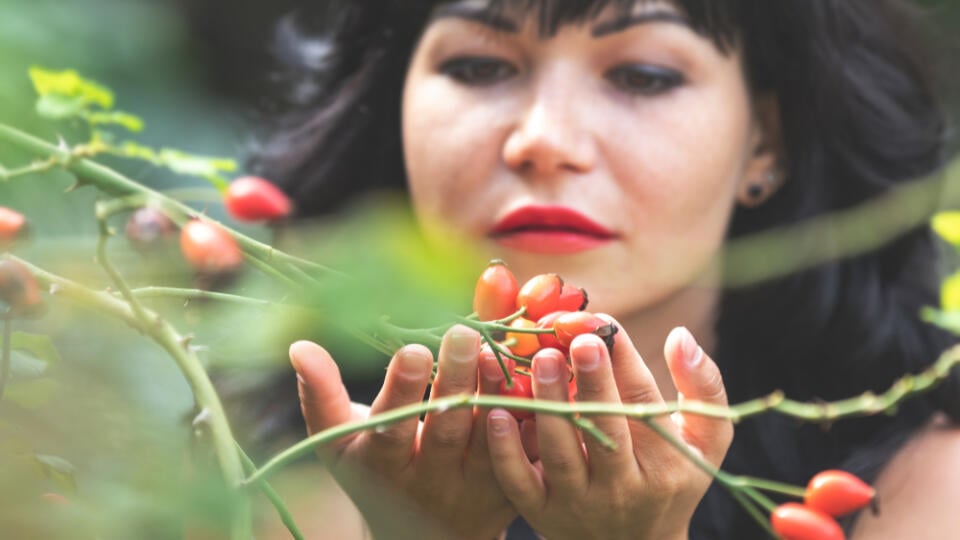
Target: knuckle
column 639, row 394
column 559, row 463
column 391, row 437
column 713, row 389
column 447, row 437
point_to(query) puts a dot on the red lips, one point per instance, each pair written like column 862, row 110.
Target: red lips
column 550, row 230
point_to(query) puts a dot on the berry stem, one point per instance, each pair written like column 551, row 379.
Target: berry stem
column 498, row 354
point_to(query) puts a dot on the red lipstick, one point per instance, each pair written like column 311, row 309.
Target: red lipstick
column 553, row 230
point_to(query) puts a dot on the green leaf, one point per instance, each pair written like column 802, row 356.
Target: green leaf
column 59, row 107
column 947, row 225
column 138, row 151
column 70, row 84
column 948, row 320
column 950, row 293
column 185, row 163
column 129, row 121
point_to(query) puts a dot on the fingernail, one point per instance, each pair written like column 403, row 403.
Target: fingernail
column 412, row 361
column 691, row 352
column 498, row 423
column 300, row 379
column 464, row 344
column 587, row 355
column 546, row 368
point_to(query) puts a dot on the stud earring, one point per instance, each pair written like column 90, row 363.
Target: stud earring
column 756, row 190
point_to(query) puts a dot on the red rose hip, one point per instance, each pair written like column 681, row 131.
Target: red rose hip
column 495, row 296
column 209, row 248
column 254, row 199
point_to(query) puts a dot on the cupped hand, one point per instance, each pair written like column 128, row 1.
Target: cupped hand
column 442, row 464
column 644, row 489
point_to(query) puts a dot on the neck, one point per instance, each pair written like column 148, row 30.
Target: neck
column 693, row 307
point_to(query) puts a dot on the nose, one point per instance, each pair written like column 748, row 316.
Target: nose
column 550, row 135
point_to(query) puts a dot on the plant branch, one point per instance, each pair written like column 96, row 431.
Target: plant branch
column 272, row 496
column 115, row 184
column 5, row 355
column 166, row 336
column 866, row 404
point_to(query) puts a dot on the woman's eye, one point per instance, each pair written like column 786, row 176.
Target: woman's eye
column 644, row 80
column 478, row 71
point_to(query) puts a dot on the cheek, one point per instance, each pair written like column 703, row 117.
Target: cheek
column 683, row 170
column 450, row 146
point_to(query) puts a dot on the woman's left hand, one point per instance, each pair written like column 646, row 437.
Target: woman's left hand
column 645, row 488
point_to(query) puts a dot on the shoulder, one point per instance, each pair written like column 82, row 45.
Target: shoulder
column 918, row 490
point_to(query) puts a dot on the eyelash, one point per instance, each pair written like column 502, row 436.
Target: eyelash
column 643, row 80
column 463, row 70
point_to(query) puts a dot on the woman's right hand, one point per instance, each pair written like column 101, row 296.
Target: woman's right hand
column 441, row 464
column 645, row 488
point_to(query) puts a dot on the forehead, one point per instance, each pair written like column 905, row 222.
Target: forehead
column 549, row 15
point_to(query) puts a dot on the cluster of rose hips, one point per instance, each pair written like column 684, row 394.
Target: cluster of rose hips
column 829, row 495
column 545, row 313
column 207, row 247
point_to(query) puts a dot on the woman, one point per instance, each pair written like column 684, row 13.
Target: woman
column 621, row 144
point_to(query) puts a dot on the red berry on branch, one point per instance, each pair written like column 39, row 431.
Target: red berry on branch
column 540, row 295
column 13, row 227
column 522, row 388
column 149, row 228
column 209, row 248
column 524, row 344
column 794, row 521
column 550, row 340
column 572, row 324
column 838, row 493
column 254, row 199
column 572, row 298
column 495, row 296
column 19, row 290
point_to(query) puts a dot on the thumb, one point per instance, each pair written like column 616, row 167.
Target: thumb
column 323, row 398
column 698, row 378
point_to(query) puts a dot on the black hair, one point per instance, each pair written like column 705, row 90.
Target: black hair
column 859, row 116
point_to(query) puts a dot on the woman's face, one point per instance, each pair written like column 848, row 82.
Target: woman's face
column 612, row 152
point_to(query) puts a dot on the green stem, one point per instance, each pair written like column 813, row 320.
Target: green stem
column 498, row 354
column 167, row 338
column 773, row 486
column 271, row 494
column 5, row 358
column 754, row 512
column 189, row 294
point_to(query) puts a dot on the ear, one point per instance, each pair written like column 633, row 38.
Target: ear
column 764, row 173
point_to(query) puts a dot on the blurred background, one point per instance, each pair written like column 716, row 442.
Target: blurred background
column 195, row 70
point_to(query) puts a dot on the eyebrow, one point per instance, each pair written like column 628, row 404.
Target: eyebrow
column 622, row 23
column 484, row 16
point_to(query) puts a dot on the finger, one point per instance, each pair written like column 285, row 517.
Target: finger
column 528, row 436
column 446, row 434
column 520, row 481
column 637, row 385
column 323, row 398
column 595, row 382
column 490, row 377
column 390, row 447
column 560, row 451
column 697, row 377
